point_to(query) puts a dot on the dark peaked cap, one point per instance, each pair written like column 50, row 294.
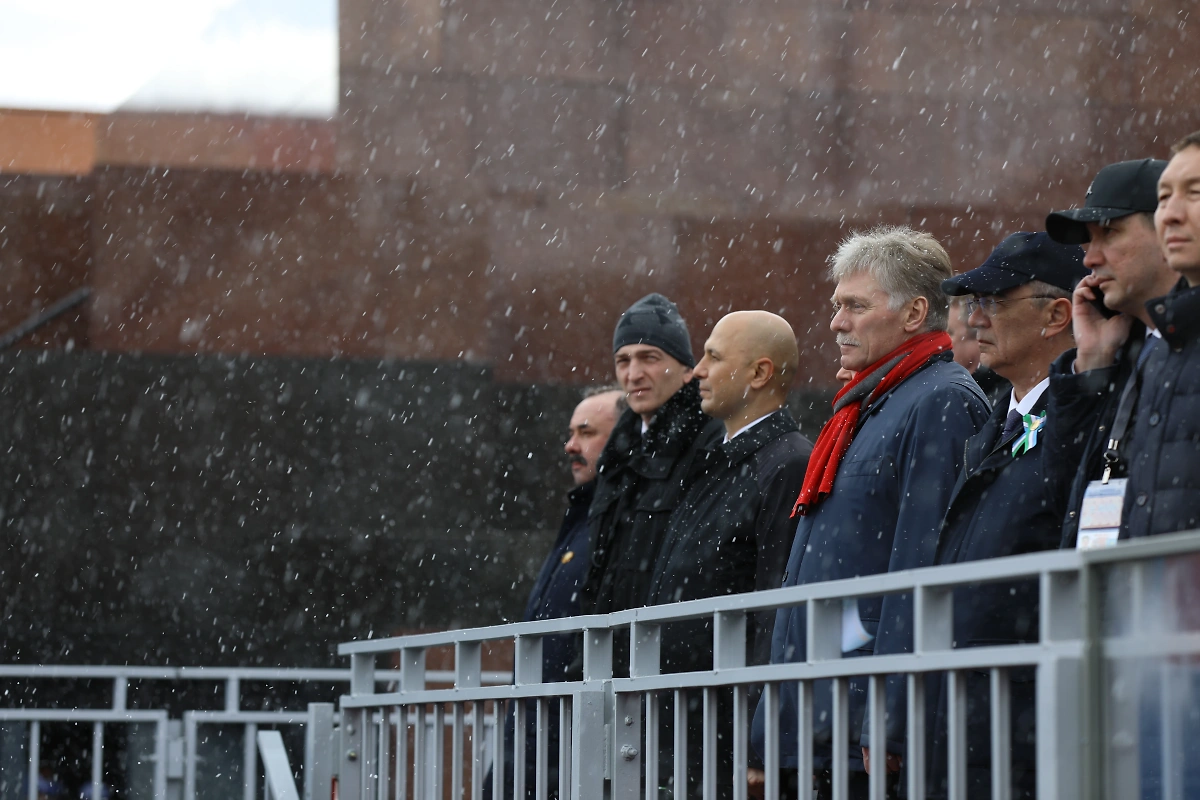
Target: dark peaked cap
column 1118, row 190
column 1019, row 259
column 655, row 320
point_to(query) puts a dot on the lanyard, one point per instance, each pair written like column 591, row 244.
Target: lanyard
column 1129, row 397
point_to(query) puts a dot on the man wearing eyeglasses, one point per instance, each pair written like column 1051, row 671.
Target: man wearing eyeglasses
column 1005, row 502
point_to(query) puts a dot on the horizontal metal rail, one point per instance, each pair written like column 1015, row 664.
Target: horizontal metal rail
column 614, row 729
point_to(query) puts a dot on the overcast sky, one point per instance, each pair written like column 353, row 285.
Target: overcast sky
column 276, row 57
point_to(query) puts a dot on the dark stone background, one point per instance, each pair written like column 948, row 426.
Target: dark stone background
column 257, row 511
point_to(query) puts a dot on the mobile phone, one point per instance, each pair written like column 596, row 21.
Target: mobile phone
column 1104, row 310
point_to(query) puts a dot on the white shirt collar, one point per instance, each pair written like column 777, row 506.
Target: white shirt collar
column 1153, row 332
column 1028, row 401
column 746, row 427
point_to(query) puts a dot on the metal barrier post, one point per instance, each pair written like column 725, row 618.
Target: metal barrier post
column 318, row 752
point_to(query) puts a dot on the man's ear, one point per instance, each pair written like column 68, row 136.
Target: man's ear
column 915, row 313
column 1058, row 317
column 761, row 372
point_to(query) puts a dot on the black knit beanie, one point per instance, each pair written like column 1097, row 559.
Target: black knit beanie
column 655, row 320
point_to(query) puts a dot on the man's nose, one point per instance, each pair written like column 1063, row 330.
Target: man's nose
column 1093, row 256
column 978, row 319
column 571, row 446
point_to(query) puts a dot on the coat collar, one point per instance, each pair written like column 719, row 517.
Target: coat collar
column 987, row 449
column 673, row 430
column 750, row 442
column 1177, row 316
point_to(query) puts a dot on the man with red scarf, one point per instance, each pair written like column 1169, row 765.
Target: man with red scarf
column 881, row 472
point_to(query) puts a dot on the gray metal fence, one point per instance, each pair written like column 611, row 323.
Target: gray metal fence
column 1114, row 667
column 166, row 758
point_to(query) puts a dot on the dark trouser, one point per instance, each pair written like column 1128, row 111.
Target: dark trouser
column 860, row 787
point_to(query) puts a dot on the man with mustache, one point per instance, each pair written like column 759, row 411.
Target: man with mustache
column 732, row 530
column 879, row 477
column 556, row 590
column 1115, row 226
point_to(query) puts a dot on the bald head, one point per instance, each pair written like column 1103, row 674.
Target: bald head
column 749, row 363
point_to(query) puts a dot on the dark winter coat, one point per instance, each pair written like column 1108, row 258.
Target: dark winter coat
column 1002, row 505
column 1082, row 408
column 885, row 512
column 731, row 533
column 1163, row 493
column 555, row 595
column 640, row 482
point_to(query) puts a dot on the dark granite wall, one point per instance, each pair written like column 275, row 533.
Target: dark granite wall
column 213, row 510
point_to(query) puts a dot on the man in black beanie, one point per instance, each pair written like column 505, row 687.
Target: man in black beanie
column 644, row 468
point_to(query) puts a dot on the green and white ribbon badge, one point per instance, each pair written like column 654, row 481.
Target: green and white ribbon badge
column 1029, row 439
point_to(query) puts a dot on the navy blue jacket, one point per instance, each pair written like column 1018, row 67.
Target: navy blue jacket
column 1082, row 407
column 885, row 512
column 555, row 595
column 1002, row 505
column 556, row 592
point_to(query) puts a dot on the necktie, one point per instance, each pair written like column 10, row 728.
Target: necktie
column 1012, row 425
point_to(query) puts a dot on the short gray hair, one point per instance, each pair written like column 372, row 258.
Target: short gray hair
column 906, row 263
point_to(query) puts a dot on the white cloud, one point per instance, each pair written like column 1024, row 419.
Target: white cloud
column 223, row 55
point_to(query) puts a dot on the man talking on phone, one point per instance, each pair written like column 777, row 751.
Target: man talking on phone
column 1114, row 334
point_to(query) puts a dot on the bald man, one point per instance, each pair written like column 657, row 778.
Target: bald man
column 732, row 531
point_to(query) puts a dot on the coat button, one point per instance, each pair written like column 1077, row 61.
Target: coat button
column 1160, row 309
column 1154, row 418
column 1141, row 499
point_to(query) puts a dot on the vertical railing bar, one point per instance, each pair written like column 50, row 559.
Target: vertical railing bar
column 456, row 752
column 915, row 757
column 520, row 712
column 498, row 715
column 189, row 756
column 841, row 739
column 564, row 748
column 877, row 718
column 249, row 761
column 709, row 753
column 804, row 738
column 420, row 756
column 400, row 784
column 477, row 775
column 1170, row 739
column 741, row 740
column 541, row 760
column 437, row 781
column 956, row 735
column 35, row 757
column 383, row 764
column 771, row 741
column 97, row 758
column 1001, row 691
column 160, row 758
column 652, row 721
column 680, row 735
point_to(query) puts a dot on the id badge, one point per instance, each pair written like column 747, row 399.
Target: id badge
column 1100, row 517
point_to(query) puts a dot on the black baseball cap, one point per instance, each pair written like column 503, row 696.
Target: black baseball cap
column 1019, row 259
column 1117, row 191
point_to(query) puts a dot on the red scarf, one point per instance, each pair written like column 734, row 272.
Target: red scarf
column 872, row 383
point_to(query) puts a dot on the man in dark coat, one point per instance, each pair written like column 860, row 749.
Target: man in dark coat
column 881, row 471
column 1163, row 494
column 1005, row 502
column 732, row 529
column 646, row 465
column 557, row 587
column 1116, row 228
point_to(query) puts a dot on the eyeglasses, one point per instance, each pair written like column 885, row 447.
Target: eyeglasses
column 988, row 303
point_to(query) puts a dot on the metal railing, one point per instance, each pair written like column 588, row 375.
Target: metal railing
column 1097, row 627
column 174, row 761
